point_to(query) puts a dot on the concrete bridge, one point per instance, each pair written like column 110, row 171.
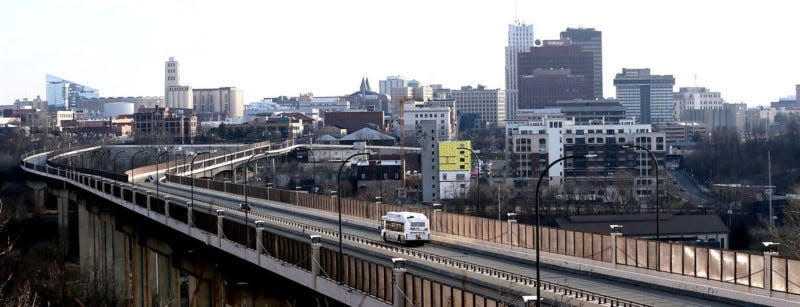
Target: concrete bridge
column 472, row 261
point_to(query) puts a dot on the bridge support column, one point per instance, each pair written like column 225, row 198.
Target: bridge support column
column 768, row 271
column 189, row 218
column 220, row 221
column 315, row 258
column 259, row 240
column 147, row 195
column 63, row 214
column 166, row 206
column 398, row 281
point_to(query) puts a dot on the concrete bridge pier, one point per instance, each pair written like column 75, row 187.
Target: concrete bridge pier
column 259, row 240
column 315, row 259
column 62, row 207
column 220, row 221
column 398, row 282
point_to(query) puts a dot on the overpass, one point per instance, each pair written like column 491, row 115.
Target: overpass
column 471, row 258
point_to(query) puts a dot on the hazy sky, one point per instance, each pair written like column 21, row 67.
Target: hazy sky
column 746, row 50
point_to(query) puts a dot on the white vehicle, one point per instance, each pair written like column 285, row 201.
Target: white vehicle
column 405, row 227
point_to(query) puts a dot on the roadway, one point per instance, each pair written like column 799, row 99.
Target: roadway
column 693, row 193
column 639, row 293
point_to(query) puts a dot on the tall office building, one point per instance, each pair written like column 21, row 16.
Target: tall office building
column 66, row 93
column 520, row 39
column 391, row 82
column 590, row 40
column 488, row 104
column 648, row 98
column 696, row 98
column 555, row 64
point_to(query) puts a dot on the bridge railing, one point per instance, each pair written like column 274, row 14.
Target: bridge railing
column 361, row 275
column 735, row 267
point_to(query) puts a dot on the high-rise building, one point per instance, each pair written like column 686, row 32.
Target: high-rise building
column 429, row 160
column 172, row 77
column 66, row 93
column 545, row 87
column 554, row 56
column 590, row 40
column 646, row 97
column 696, row 98
column 520, row 39
column 488, row 104
column 386, row 86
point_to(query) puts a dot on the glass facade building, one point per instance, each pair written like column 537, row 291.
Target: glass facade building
column 67, row 93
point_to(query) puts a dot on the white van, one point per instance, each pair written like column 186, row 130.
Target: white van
column 405, row 227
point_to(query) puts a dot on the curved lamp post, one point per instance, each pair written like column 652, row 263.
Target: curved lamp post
column 115, row 166
column 478, row 181
column 244, row 187
column 246, row 208
column 133, row 157
column 158, row 160
column 538, row 222
column 655, row 162
column 340, row 261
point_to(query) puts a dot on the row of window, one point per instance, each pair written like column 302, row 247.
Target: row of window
column 427, row 115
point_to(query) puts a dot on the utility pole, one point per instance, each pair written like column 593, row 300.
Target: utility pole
column 769, row 174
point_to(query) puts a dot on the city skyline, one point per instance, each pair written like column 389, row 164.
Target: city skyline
column 272, row 49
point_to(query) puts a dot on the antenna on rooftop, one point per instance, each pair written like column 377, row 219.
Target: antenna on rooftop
column 516, row 12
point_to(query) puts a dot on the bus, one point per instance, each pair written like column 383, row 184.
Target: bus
column 405, row 228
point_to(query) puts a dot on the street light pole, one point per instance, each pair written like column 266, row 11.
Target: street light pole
column 658, row 208
column 158, row 160
column 244, row 187
column 340, row 261
column 246, row 208
column 478, row 181
column 133, row 157
column 538, row 222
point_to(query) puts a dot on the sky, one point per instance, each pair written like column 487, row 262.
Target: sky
column 747, row 50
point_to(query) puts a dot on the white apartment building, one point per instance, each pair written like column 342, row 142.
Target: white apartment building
column 489, row 104
column 535, row 145
column 444, row 117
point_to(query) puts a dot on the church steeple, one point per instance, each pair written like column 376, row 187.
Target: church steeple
column 365, row 85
